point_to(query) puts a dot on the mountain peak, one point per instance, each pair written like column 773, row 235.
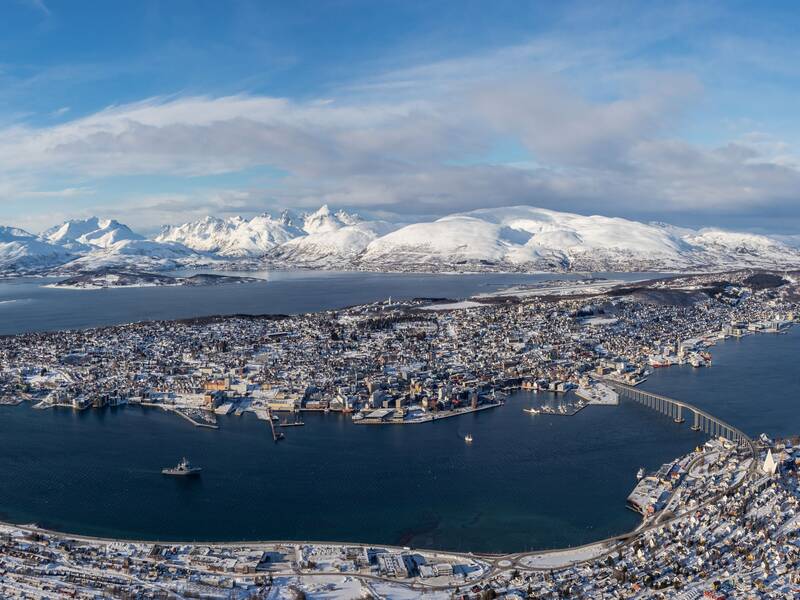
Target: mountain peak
column 517, row 238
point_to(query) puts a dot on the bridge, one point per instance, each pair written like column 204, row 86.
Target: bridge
column 676, row 409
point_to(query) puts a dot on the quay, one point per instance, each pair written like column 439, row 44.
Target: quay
column 180, row 413
column 428, row 418
column 599, row 395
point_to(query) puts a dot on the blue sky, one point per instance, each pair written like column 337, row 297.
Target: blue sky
column 160, row 112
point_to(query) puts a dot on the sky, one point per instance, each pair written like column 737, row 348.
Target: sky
column 161, row 112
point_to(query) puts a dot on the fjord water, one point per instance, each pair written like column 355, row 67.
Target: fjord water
column 753, row 384
column 525, row 482
column 25, row 305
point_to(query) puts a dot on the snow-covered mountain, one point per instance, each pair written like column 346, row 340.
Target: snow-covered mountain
column 323, row 236
column 330, row 246
column 139, row 254
column 24, row 252
column 528, row 238
column 234, row 236
column 325, row 221
column 83, row 235
column 518, row 238
column 96, row 243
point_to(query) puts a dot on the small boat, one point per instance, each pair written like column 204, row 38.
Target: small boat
column 182, row 468
column 531, row 411
column 640, row 474
column 468, row 438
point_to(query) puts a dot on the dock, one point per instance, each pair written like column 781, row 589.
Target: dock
column 276, row 435
column 383, row 417
column 184, row 413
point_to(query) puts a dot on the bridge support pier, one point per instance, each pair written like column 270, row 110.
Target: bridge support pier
column 701, row 420
column 696, row 426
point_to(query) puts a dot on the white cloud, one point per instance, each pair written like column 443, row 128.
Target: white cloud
column 71, row 192
column 601, row 142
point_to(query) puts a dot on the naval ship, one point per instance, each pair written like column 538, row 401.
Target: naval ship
column 182, row 468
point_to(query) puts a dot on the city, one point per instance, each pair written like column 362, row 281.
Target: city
column 391, row 362
column 399, row 300
column 411, row 362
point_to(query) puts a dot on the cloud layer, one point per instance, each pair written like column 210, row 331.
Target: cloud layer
column 479, row 132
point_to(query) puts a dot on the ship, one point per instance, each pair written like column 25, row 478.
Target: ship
column 468, row 438
column 182, row 468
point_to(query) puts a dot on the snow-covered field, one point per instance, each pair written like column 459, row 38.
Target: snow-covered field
column 453, row 305
column 564, row 558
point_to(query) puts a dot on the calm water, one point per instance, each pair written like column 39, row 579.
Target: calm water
column 526, row 482
column 27, row 306
column 754, row 383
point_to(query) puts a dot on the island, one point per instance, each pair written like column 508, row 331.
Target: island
column 398, row 362
column 116, row 278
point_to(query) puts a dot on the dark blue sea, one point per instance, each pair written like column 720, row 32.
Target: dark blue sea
column 26, row 305
column 525, row 482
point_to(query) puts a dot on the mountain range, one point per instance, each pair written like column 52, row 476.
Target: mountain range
column 517, row 238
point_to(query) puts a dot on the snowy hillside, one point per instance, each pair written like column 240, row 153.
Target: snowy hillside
column 234, row 236
column 324, row 221
column 86, row 234
column 529, row 238
column 22, row 252
column 325, row 248
column 136, row 253
column 516, row 238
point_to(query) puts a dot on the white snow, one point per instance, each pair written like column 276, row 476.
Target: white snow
column 325, row 221
column 546, row 239
column 22, row 250
column 344, row 243
column 511, row 238
column 563, row 558
column 234, row 237
column 85, row 234
column 453, row 305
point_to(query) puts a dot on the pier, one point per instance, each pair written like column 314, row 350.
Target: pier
column 675, row 409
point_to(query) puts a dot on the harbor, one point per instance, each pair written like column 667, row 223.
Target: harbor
column 595, row 394
column 477, row 367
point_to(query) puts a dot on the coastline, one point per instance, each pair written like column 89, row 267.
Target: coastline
column 709, row 338
column 491, row 563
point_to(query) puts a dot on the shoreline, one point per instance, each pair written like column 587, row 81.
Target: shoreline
column 612, row 542
column 709, row 338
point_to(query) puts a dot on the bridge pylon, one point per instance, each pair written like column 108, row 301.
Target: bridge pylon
column 696, row 426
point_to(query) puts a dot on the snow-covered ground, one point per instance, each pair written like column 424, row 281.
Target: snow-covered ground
column 454, row 305
column 516, row 238
column 564, row 558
